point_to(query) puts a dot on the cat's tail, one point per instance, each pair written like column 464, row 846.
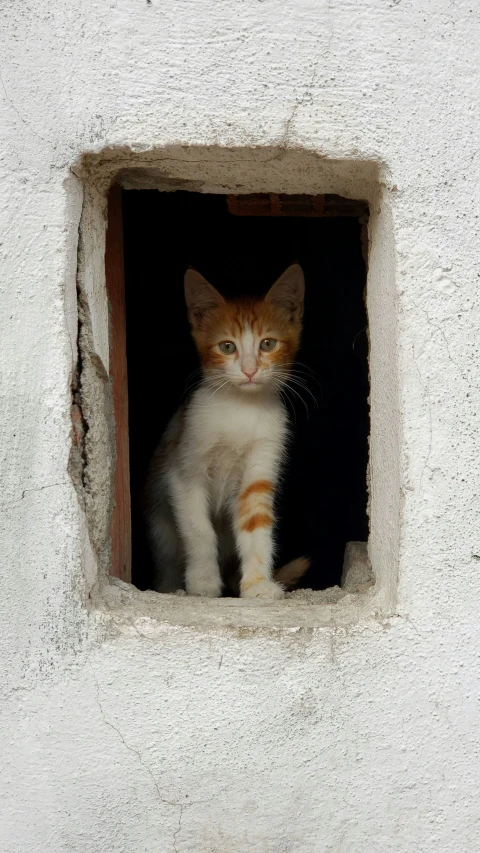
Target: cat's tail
column 289, row 574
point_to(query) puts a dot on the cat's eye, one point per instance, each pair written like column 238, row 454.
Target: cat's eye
column 227, row 347
column 268, row 344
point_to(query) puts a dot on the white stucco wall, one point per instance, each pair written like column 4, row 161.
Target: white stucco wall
column 355, row 730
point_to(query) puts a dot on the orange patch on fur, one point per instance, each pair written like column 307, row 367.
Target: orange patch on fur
column 259, row 505
column 256, row 488
column 259, row 519
column 252, row 581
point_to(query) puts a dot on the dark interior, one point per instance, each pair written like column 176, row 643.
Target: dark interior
column 323, row 499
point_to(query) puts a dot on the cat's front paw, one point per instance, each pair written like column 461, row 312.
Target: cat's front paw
column 264, row 588
column 207, row 587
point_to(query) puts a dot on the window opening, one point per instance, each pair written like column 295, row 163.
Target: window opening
column 241, row 244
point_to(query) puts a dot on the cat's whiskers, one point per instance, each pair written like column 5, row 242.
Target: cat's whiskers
column 294, row 392
column 292, row 367
column 218, row 385
column 281, row 385
column 288, row 388
column 287, row 401
column 190, row 389
column 190, row 383
column 288, row 378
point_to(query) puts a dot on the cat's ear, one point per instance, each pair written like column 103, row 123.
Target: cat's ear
column 288, row 292
column 200, row 296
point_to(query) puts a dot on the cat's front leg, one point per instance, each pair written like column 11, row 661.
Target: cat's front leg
column 190, row 502
column 254, row 525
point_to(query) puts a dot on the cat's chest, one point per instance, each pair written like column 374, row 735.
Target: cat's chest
column 229, row 429
column 236, row 441
column 225, row 437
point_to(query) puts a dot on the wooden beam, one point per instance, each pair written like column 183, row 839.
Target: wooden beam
column 272, row 204
column 120, row 530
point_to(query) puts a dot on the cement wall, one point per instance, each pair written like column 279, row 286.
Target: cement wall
column 130, row 725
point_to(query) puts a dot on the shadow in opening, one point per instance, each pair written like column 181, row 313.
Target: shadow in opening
column 323, row 499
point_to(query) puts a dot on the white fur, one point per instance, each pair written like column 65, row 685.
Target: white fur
column 229, row 440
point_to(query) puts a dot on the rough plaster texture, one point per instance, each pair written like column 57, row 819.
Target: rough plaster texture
column 132, row 724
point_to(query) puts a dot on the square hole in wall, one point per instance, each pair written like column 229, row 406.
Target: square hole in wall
column 241, row 245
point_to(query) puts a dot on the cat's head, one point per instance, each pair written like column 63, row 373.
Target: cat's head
column 248, row 343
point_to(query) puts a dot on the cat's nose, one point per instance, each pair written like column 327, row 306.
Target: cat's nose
column 250, row 373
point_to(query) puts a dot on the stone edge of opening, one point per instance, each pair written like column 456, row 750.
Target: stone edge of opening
column 91, row 466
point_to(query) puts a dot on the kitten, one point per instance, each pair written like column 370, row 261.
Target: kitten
column 211, row 483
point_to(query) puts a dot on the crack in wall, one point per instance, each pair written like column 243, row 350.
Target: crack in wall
column 78, row 459
column 33, row 489
column 178, row 829
column 299, row 103
column 127, row 746
column 92, row 452
column 428, row 399
column 22, row 119
column 136, row 752
column 41, row 488
column 306, row 94
column 439, row 329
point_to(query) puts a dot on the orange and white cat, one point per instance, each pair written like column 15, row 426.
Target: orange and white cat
column 211, row 484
